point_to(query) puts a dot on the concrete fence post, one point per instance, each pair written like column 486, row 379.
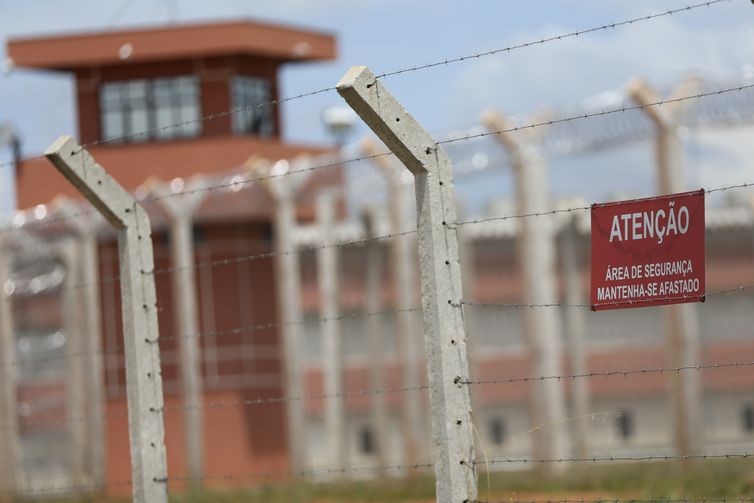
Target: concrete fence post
column 575, row 324
column 74, row 330
column 282, row 185
column 403, row 273
column 9, row 433
column 682, row 322
column 375, row 336
column 332, row 344
column 180, row 200
column 444, row 333
column 474, row 337
column 142, row 351
column 85, row 228
column 542, row 326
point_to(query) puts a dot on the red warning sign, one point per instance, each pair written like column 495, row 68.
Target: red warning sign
column 648, row 252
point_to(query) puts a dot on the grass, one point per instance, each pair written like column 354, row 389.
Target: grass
column 661, row 480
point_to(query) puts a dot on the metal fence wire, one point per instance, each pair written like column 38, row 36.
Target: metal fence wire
column 298, row 338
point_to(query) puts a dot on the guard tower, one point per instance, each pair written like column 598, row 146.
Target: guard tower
column 129, row 82
column 140, row 95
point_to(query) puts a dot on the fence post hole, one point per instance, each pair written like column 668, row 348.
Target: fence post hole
column 375, row 335
column 444, row 334
column 403, row 274
column 141, row 343
column 282, row 189
column 332, row 344
column 85, row 228
column 9, row 442
column 180, row 200
column 682, row 320
column 536, row 246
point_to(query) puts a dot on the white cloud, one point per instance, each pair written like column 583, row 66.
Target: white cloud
column 566, row 72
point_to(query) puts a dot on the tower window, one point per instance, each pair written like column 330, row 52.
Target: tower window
column 748, row 419
column 252, row 115
column 366, row 441
column 497, row 430
column 150, row 109
column 624, row 423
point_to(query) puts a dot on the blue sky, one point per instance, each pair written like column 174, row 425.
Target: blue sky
column 386, row 35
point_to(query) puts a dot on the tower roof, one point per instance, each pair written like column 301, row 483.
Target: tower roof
column 77, row 51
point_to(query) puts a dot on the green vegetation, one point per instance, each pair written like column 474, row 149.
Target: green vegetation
column 661, row 480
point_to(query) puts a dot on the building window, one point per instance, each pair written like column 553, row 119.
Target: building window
column 748, row 418
column 497, row 430
column 624, row 423
column 366, row 441
column 252, row 114
column 150, row 109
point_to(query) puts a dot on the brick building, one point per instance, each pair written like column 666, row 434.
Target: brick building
column 153, row 105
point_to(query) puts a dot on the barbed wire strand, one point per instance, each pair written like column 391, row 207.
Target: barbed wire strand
column 246, row 258
column 220, row 333
column 617, row 459
column 57, row 489
column 610, row 373
column 225, row 185
column 601, row 113
column 589, row 207
column 240, row 259
column 219, row 404
column 360, row 241
column 418, row 466
column 740, row 288
column 545, row 40
column 595, row 459
column 362, row 314
column 440, row 63
column 467, row 137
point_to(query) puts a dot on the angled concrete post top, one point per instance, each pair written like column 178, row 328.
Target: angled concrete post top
column 91, row 180
column 667, row 115
column 404, row 136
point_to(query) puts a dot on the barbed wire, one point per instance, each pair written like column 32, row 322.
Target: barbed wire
column 425, row 466
column 614, row 459
column 304, row 473
column 353, row 316
column 467, row 137
column 247, row 258
column 271, row 176
column 71, row 488
column 589, row 207
column 533, row 125
column 221, row 404
column 610, row 373
column 545, row 40
column 415, row 68
column 602, row 113
column 218, row 404
column 219, row 333
column 714, row 293
column 364, row 240
column 234, row 183
column 238, row 259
